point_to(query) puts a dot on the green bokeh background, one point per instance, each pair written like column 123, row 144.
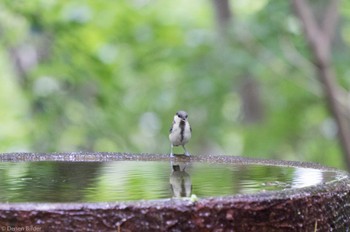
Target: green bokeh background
column 106, row 75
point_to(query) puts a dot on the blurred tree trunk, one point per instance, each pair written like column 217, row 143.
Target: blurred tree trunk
column 319, row 37
column 223, row 16
column 252, row 109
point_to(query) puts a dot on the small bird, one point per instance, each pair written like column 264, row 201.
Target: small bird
column 180, row 131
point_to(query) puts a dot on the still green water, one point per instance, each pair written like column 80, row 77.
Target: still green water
column 133, row 180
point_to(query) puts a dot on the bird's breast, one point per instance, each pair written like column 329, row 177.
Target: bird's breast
column 180, row 134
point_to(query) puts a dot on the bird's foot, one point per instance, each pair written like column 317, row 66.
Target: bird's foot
column 172, row 155
column 187, row 154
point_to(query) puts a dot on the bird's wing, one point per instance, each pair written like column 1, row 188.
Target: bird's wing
column 171, row 128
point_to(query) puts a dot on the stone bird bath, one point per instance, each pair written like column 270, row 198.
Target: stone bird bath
column 321, row 206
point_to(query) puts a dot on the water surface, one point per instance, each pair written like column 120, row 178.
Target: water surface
column 49, row 181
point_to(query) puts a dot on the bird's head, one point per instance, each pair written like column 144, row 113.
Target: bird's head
column 180, row 116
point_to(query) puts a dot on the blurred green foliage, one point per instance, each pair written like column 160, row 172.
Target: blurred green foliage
column 109, row 76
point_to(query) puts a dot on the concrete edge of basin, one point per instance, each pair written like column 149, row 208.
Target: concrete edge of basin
column 114, row 156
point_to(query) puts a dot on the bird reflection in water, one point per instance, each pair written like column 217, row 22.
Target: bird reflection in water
column 180, row 180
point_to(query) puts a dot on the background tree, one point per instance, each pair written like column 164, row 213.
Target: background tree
column 320, row 38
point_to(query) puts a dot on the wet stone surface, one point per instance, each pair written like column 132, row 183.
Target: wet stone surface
column 207, row 193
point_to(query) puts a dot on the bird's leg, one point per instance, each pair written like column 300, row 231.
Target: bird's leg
column 186, row 152
column 171, row 150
